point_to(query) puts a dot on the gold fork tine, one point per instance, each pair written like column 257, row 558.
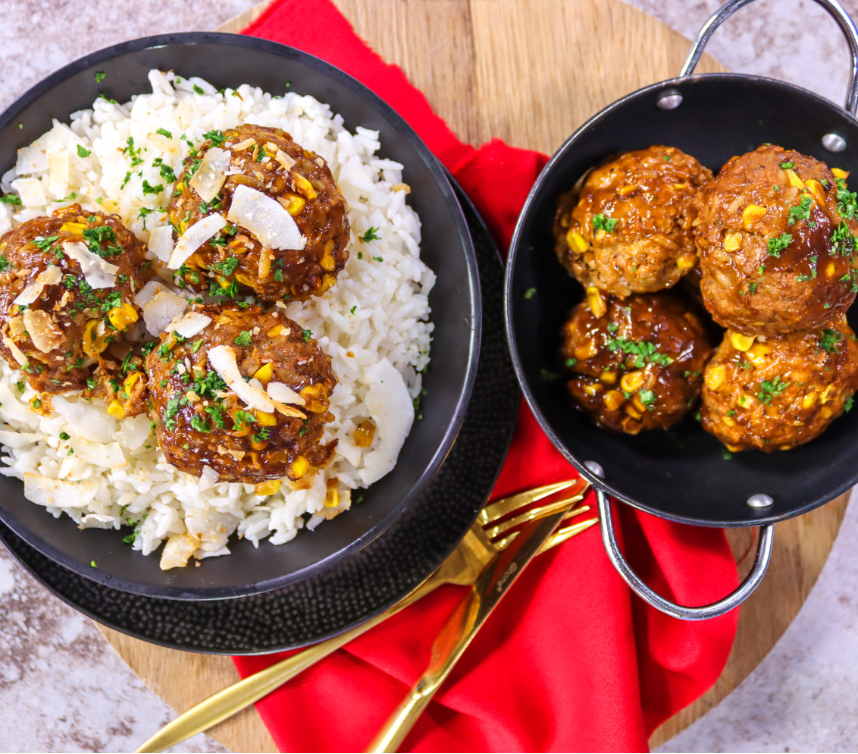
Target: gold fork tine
column 503, row 543
column 531, row 514
column 506, row 505
column 567, row 532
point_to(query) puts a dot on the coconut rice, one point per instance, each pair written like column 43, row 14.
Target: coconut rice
column 373, row 324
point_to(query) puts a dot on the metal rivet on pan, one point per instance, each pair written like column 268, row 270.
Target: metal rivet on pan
column 595, row 468
column 760, row 501
column 669, row 100
column 834, row 143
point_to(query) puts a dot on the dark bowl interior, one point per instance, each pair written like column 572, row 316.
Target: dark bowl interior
column 228, row 60
column 681, row 474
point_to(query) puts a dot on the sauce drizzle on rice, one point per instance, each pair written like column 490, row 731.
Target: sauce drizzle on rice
column 79, row 460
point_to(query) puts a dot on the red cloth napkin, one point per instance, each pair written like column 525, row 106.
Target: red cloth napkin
column 571, row 660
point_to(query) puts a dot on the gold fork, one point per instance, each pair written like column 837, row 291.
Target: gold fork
column 461, row 567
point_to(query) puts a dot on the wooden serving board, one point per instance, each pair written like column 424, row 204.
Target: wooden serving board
column 528, row 72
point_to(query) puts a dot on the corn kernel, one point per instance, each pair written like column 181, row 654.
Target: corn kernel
column 825, row 412
column 593, row 390
column 300, row 466
column 576, row 241
column 130, row 380
column 596, row 302
column 267, row 488
column 732, row 241
column 265, row 373
column 315, row 398
column 627, row 190
column 817, row 191
column 243, row 279
column 92, row 343
column 715, row 376
column 614, row 399
column 266, row 419
column 631, row 381
column 365, row 433
column 600, row 234
column 633, row 412
column 793, row 179
column 733, row 448
column 123, row 316
column 741, row 342
column 304, row 186
column 116, row 410
column 630, row 426
column 686, row 262
column 830, row 270
column 587, row 351
column 76, row 229
column 327, row 282
column 808, row 400
column 293, row 203
column 757, row 354
column 751, row 214
column 838, row 173
column 639, row 404
column 609, row 378
column 680, row 186
column 728, row 421
column 328, row 262
column 826, row 394
column 332, row 497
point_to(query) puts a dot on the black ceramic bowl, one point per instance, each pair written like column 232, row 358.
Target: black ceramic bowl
column 229, row 60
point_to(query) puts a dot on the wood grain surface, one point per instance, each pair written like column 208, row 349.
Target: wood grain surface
column 528, row 72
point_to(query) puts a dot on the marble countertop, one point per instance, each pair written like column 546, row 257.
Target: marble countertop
column 65, row 687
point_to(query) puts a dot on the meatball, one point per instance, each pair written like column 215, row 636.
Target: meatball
column 630, row 229
column 268, row 160
column 64, row 325
column 634, row 364
column 775, row 239
column 774, row 393
column 201, row 422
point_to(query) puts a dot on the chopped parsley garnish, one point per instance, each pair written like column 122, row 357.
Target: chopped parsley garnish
column 647, row 398
column 227, row 266
column 147, row 348
column 83, row 153
column 164, row 132
column 241, row 418
column 529, row 293
column 801, row 211
column 777, row 245
column 829, row 340
column 846, row 200
column 99, row 76
column 751, row 288
column 370, row 235
column 216, row 137
column 263, row 434
column 126, row 363
column 847, row 406
column 603, row 222
column 278, row 275
column 547, row 376
column 200, row 424
column 644, row 352
column 842, row 241
column 4, row 263
column 353, row 309
column 613, row 327
column 170, row 414
column 216, row 413
column 788, row 165
column 150, row 189
column 570, row 363
column 804, row 278
column 771, row 389
column 166, row 171
column 244, row 338
column 12, row 199
column 196, row 346
column 306, row 334
column 198, row 89
column 133, row 153
column 96, row 236
column 44, row 244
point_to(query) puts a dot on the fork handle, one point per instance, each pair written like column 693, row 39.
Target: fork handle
column 235, row 698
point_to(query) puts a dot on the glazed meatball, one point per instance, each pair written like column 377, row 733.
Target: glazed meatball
column 66, row 301
column 200, row 419
column 779, row 392
column 775, row 239
column 269, row 161
column 634, row 364
column 629, row 230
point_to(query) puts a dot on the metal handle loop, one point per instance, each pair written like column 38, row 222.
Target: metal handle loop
column 736, row 598
column 835, row 10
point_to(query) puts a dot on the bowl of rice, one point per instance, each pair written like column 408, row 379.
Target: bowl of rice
column 92, row 488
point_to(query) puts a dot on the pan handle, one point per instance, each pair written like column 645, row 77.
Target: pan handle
column 736, row 598
column 835, row 10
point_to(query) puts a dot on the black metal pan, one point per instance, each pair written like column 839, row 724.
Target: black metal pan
column 681, row 475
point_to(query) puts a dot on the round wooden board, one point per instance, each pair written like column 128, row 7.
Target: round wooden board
column 528, row 72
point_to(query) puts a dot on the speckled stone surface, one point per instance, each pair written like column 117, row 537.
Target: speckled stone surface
column 62, row 688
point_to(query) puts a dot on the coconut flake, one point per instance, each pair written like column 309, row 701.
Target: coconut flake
column 85, row 420
column 58, row 176
column 16, row 352
column 177, row 551
column 242, row 145
column 148, row 292
column 43, row 331
column 284, row 159
column 265, row 218
column 189, row 324
column 134, row 431
column 281, row 393
column 194, row 237
column 31, row 192
column 222, row 359
column 393, row 413
column 51, row 276
column 208, row 477
column 56, row 493
column 160, row 310
column 211, row 174
column 161, row 242
column 98, row 272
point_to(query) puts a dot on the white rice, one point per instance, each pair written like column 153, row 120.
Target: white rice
column 109, row 474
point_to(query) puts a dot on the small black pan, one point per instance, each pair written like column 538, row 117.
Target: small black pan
column 681, row 475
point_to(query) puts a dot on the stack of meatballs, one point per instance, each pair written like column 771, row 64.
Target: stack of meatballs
column 233, row 386
column 767, row 247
